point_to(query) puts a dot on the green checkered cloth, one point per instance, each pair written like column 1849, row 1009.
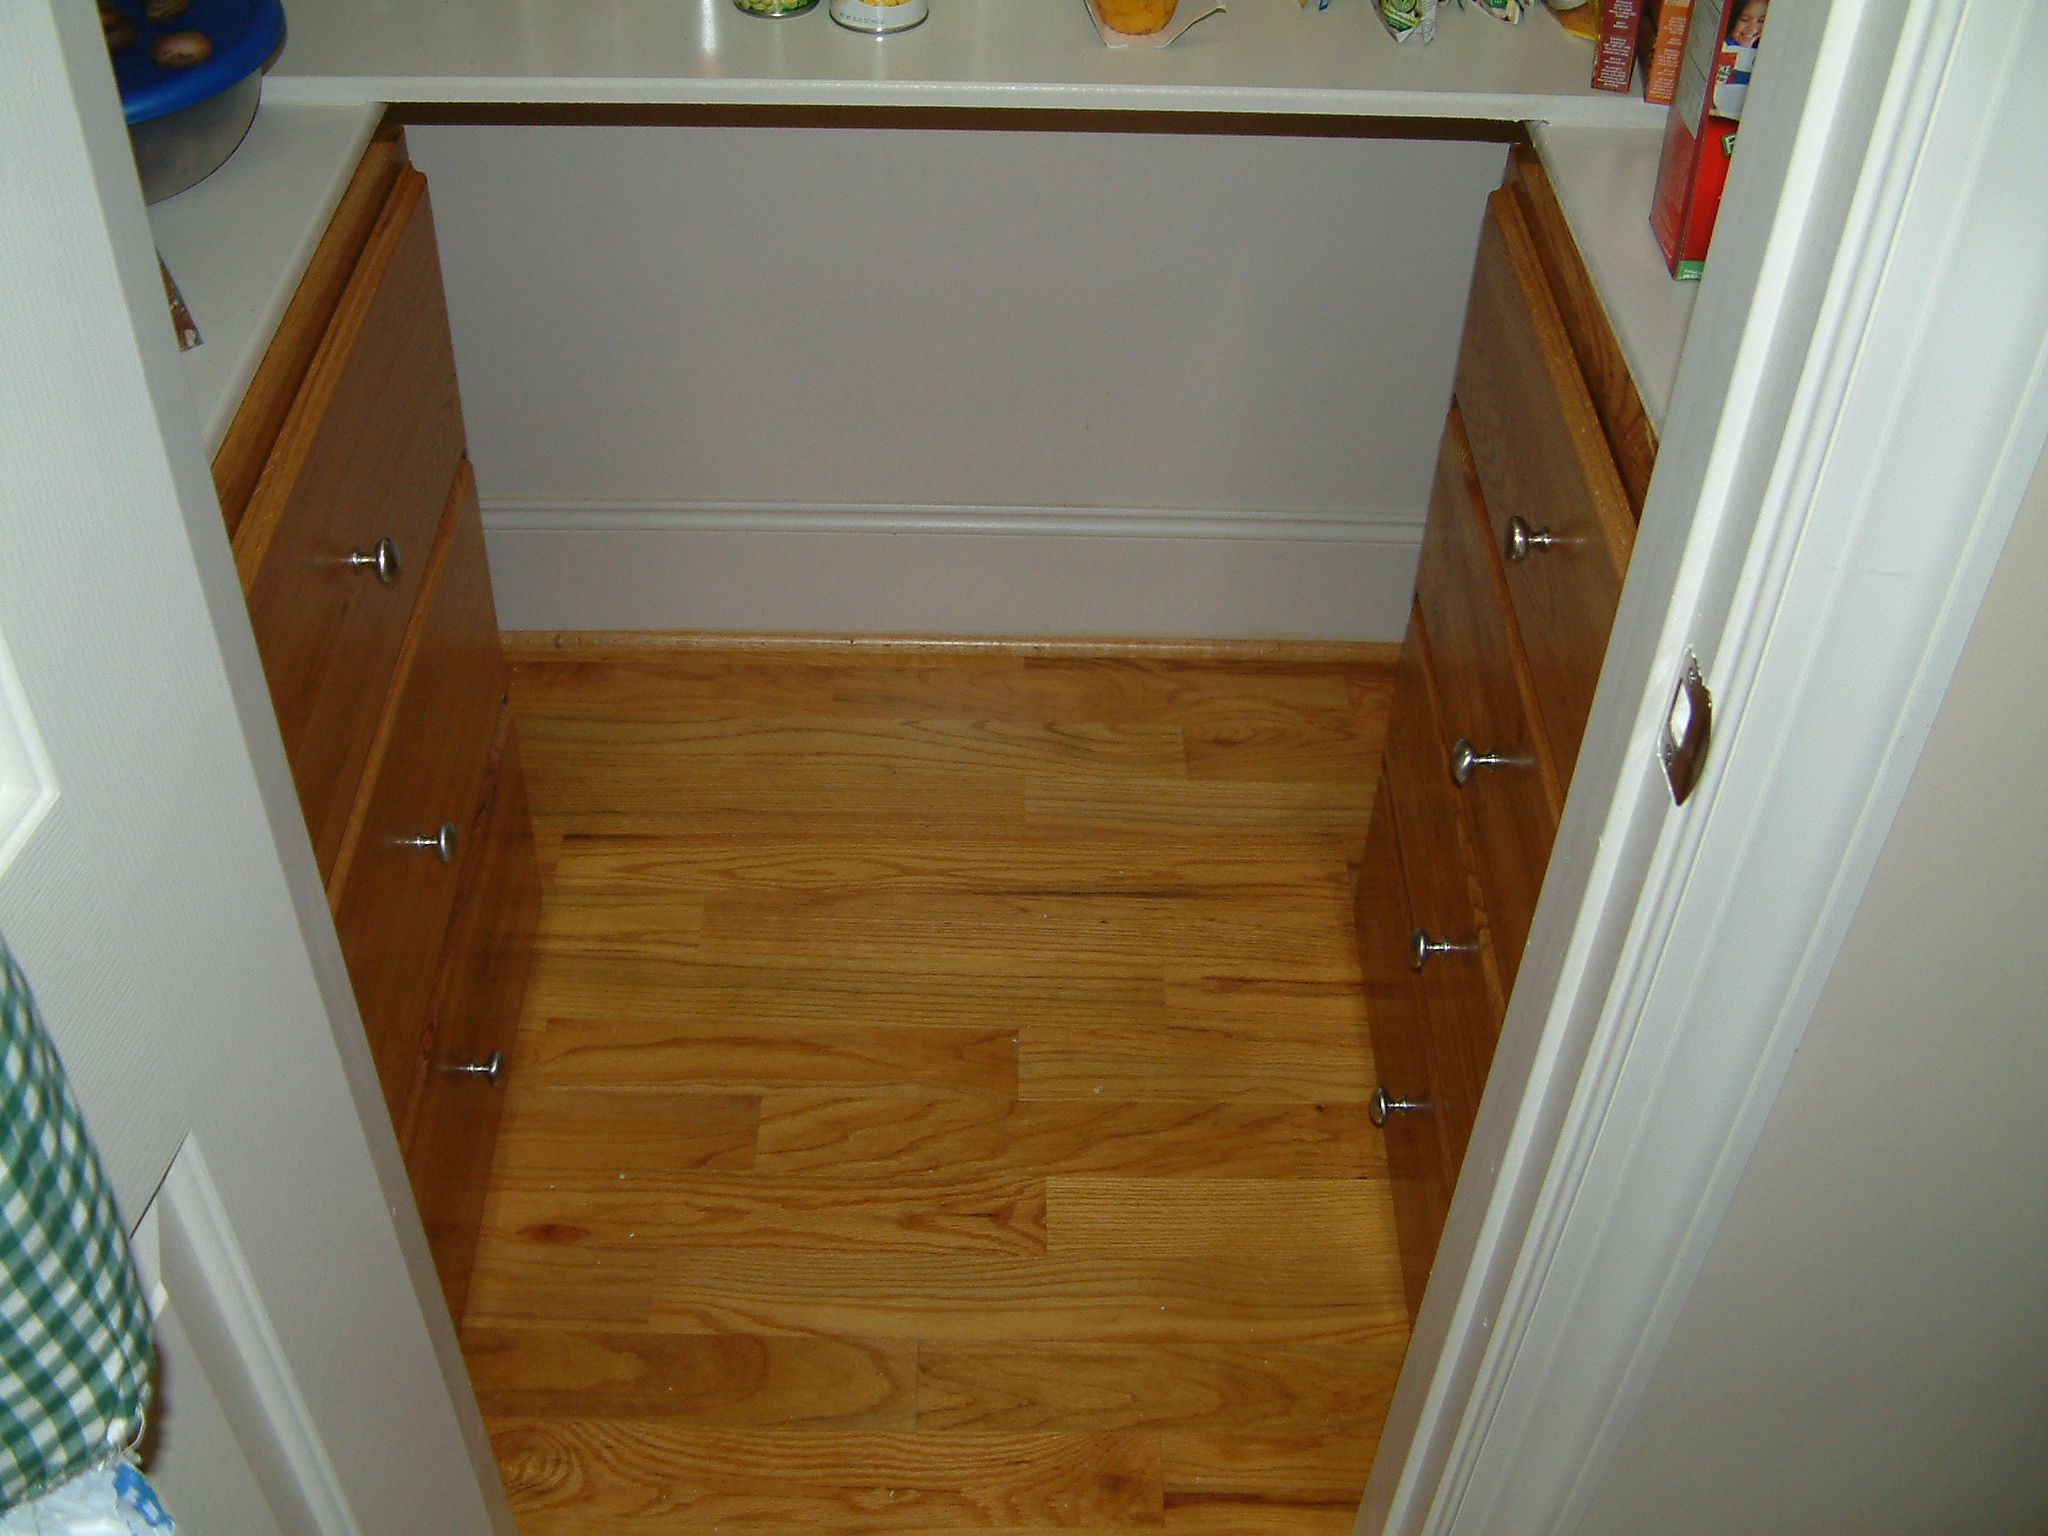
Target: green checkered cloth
column 75, row 1357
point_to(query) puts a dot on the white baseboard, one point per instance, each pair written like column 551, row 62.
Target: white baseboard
column 952, row 570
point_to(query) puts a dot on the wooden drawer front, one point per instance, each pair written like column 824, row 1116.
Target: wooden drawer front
column 1460, row 998
column 1400, row 1052
column 366, row 454
column 452, row 1129
column 391, row 901
column 1542, row 457
column 1483, row 683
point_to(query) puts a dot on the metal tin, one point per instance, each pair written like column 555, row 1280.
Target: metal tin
column 776, row 7
column 879, row 15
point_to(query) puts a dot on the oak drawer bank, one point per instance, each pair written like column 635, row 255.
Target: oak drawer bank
column 352, row 515
column 1544, row 460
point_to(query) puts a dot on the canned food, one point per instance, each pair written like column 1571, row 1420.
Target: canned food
column 878, row 15
column 775, row 7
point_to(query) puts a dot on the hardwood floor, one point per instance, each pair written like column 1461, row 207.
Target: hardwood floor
column 940, row 1103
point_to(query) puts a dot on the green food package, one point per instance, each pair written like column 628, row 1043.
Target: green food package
column 1411, row 21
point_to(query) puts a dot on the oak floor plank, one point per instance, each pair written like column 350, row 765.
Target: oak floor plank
column 1326, row 1465
column 1112, row 1216
column 568, row 1131
column 1330, row 809
column 1311, row 1064
column 814, row 797
column 515, row 1284
column 574, row 1476
column 652, row 990
column 1233, row 1388
column 1002, row 1214
column 1036, row 934
column 729, row 1381
column 965, row 1298
column 900, row 1137
column 656, row 754
column 766, row 863
column 740, row 1056
column 1109, row 691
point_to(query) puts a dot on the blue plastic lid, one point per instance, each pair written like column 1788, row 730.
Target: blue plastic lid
column 244, row 34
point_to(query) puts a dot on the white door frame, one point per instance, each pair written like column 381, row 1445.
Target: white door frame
column 1863, row 397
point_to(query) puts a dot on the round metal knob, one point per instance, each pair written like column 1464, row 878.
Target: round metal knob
column 442, row 842
column 1383, row 1104
column 1421, row 946
column 1466, row 760
column 1521, row 538
column 490, row 1069
column 383, row 560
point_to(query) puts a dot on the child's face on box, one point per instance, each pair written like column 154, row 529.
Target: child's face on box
column 1748, row 24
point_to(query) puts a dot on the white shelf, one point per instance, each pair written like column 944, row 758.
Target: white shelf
column 1260, row 56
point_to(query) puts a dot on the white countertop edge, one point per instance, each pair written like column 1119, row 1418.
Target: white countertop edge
column 239, row 242
column 235, row 382
column 503, row 90
column 1605, row 182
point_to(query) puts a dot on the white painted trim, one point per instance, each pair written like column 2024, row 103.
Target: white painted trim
column 28, row 779
column 1822, row 535
column 199, row 1265
column 1367, row 525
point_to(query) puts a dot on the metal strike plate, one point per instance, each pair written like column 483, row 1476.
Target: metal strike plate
column 1688, row 731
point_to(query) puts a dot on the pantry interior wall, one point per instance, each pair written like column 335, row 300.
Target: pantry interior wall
column 865, row 380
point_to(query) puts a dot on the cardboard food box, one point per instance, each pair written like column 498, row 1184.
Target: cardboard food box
column 1699, row 136
column 1662, row 45
column 1614, row 49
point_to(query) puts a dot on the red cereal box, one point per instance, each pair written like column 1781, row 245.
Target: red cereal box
column 1614, row 50
column 1699, row 136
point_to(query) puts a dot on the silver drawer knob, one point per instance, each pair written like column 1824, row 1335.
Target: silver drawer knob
column 1521, row 538
column 383, row 560
column 442, row 842
column 1421, row 946
column 1383, row 1104
column 1467, row 760
column 490, row 1069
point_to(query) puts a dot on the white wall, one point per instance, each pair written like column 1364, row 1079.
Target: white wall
column 1866, row 1350
column 849, row 379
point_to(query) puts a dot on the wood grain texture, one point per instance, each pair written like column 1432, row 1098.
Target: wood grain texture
column 727, row 1381
column 906, row 1137
column 426, row 767
column 452, row 1127
column 1488, row 699
column 570, row 1131
column 613, row 1475
column 755, row 1058
column 1420, row 1188
column 1232, row 1388
column 239, row 461
column 692, row 1209
column 1232, row 1298
column 1459, row 994
column 1630, row 437
column 368, row 451
column 1115, row 1216
column 942, row 1078
column 1541, row 455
